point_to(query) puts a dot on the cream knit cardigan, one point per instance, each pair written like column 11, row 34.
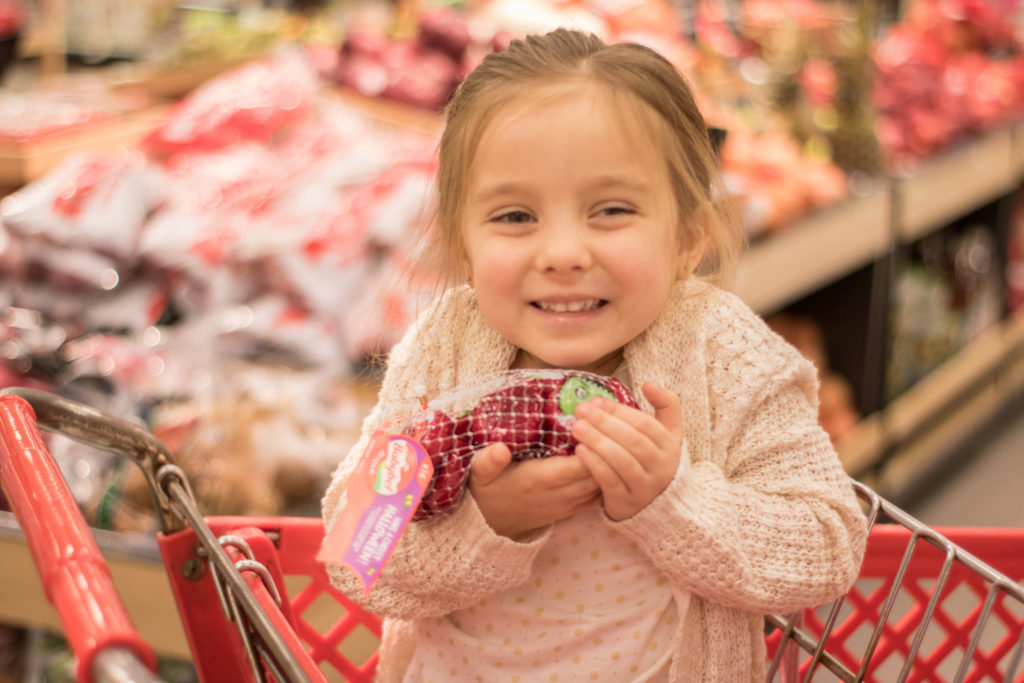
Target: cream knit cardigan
column 765, row 520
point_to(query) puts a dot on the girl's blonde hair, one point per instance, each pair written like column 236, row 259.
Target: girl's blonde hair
column 643, row 82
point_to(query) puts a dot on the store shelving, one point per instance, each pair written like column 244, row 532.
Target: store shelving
column 978, row 362
column 137, row 571
column 859, row 449
column 390, row 113
column 954, row 183
column 803, row 257
column 821, row 248
column 906, row 435
column 951, row 403
column 22, row 162
column 1017, row 150
column 168, row 83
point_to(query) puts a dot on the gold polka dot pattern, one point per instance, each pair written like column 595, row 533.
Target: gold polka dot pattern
column 580, row 617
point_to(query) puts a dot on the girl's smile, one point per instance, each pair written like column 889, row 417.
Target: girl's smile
column 569, row 306
column 570, row 228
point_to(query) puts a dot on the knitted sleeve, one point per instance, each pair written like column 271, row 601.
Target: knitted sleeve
column 772, row 524
column 446, row 563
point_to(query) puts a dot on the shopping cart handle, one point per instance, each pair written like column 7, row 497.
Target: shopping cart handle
column 74, row 575
column 92, row 427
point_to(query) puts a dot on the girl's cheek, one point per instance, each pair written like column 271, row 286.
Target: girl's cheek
column 499, row 263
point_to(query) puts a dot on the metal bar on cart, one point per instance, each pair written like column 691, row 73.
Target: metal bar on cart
column 953, row 553
column 965, row 557
column 791, row 633
column 92, row 427
column 937, row 540
column 267, row 594
column 117, row 665
column 815, row 643
column 184, row 505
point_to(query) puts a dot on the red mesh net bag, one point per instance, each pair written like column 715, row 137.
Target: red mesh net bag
column 530, row 411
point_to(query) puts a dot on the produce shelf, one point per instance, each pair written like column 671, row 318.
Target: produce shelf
column 138, row 573
column 1017, row 150
column 171, row 83
column 912, row 460
column 815, row 251
column 391, row 113
column 954, row 378
column 860, row 448
column 955, row 182
column 939, row 412
column 24, row 161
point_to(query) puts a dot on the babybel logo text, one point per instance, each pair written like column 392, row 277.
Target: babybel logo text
column 394, row 468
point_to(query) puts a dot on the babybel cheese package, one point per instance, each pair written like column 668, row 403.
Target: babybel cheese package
column 417, row 468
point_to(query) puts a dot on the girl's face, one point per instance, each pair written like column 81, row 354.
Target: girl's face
column 570, row 229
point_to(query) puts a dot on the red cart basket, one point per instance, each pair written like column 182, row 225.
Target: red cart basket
column 930, row 604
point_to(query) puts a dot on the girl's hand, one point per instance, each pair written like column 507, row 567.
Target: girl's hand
column 630, row 454
column 517, row 498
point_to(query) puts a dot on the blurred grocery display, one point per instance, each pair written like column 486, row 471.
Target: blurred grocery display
column 211, row 210
column 12, row 19
column 946, row 71
column 1015, row 258
column 209, row 188
column 262, row 223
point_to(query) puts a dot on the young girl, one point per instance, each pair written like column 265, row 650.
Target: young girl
column 579, row 220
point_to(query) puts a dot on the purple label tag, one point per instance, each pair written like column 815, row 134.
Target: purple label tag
column 381, row 496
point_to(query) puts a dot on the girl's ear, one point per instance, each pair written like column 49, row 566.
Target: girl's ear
column 689, row 258
column 465, row 268
column 692, row 244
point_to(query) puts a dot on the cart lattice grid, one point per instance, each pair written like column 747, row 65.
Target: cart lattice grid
column 930, row 604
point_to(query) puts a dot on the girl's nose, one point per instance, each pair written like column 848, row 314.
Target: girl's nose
column 564, row 247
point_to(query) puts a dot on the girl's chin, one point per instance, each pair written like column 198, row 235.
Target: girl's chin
column 604, row 365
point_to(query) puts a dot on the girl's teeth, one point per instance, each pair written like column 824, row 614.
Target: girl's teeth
column 572, row 307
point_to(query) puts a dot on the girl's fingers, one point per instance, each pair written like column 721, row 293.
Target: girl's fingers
column 632, row 455
column 583, row 486
column 557, row 472
column 607, row 426
column 489, row 462
column 585, row 499
column 667, row 409
column 604, row 474
column 517, row 497
column 608, row 459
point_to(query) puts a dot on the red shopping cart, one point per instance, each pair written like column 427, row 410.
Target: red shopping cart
column 930, row 605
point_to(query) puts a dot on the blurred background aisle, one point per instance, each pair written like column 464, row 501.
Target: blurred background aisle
column 985, row 486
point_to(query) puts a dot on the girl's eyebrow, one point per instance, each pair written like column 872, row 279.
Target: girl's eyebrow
column 618, row 181
column 603, row 182
column 498, row 190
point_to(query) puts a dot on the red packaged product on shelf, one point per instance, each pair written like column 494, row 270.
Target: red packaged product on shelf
column 252, row 103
